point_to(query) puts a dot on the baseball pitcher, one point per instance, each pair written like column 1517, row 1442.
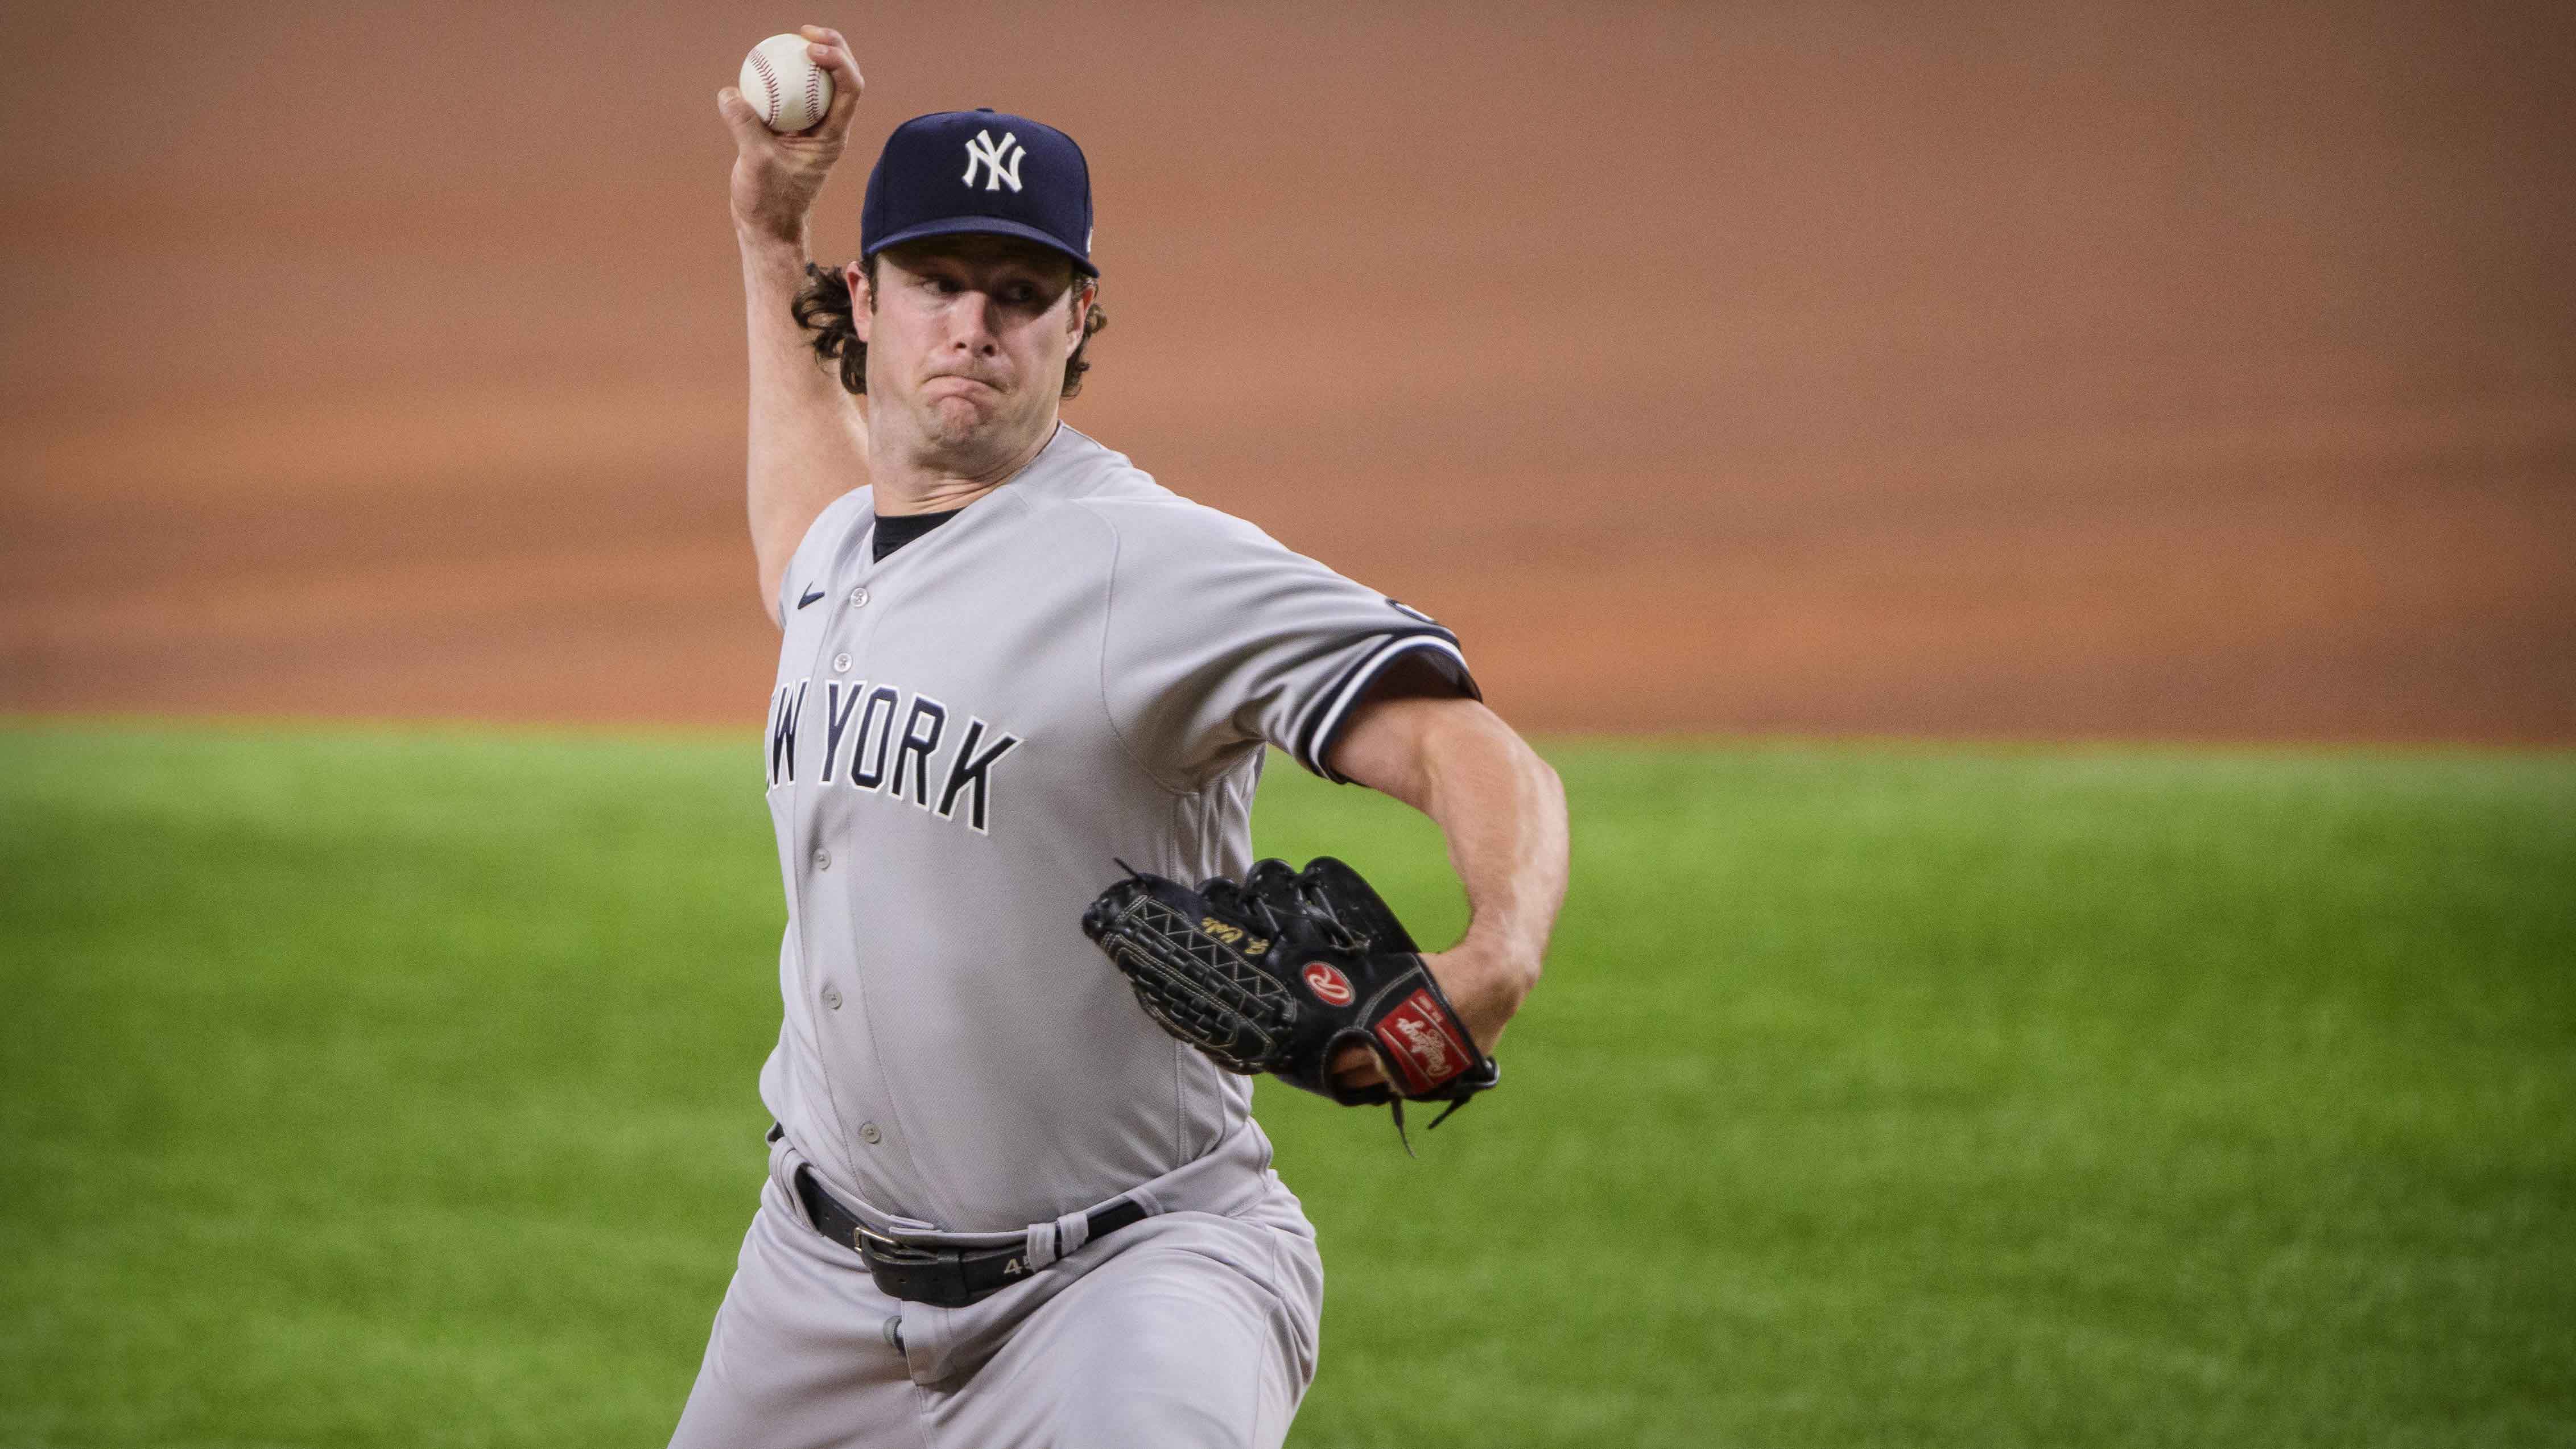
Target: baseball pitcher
column 1016, row 1195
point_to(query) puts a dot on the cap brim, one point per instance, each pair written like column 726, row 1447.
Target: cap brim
column 989, row 226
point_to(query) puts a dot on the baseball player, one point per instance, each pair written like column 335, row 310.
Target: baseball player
column 1004, row 1206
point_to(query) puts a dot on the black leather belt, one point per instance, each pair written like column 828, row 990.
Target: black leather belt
column 944, row 1277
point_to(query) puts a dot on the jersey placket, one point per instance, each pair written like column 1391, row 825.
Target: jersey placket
column 870, row 586
column 829, row 948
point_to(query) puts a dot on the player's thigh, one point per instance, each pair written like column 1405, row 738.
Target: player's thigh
column 798, row 1355
column 1202, row 1335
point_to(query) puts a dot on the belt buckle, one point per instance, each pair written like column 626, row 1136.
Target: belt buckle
column 914, row 1273
column 876, row 1244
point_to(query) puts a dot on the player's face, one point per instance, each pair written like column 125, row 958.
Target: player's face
column 968, row 339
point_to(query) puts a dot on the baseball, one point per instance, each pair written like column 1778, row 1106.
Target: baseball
column 784, row 85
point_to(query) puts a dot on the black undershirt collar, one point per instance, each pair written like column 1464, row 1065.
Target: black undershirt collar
column 894, row 532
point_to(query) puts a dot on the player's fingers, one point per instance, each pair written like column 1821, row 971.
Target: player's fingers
column 844, row 68
column 749, row 133
column 825, row 45
column 1356, row 1066
column 847, row 84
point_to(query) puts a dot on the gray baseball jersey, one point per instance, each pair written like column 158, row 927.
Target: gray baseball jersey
column 1080, row 666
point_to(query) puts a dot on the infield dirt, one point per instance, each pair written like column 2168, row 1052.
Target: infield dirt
column 2105, row 370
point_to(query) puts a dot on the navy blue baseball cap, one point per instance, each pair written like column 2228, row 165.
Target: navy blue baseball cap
column 980, row 171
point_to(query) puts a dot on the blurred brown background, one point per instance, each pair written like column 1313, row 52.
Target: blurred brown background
column 2064, row 369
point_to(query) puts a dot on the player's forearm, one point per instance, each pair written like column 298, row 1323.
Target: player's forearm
column 1502, row 810
column 808, row 437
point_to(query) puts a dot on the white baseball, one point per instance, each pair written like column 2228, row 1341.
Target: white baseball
column 784, row 85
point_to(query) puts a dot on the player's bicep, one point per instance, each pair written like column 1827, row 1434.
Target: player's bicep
column 1392, row 731
column 1311, row 720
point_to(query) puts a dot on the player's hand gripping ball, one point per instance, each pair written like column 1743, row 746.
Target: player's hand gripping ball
column 1281, row 972
column 784, row 85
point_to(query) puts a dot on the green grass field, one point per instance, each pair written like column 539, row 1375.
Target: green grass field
column 397, row 1089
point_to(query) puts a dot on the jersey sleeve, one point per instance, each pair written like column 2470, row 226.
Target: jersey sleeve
column 1219, row 638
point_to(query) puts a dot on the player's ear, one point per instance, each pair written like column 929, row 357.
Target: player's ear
column 1085, row 292
column 863, row 298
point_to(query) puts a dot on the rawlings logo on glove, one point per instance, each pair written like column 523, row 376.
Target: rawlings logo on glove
column 1279, row 973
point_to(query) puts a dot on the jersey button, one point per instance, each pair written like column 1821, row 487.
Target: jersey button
column 858, row 598
column 822, row 860
column 869, row 1134
column 832, row 997
column 840, row 664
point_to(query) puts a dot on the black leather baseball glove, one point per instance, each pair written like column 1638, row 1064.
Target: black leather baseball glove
column 1279, row 973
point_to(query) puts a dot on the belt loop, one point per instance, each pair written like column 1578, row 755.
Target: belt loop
column 782, row 1155
column 798, row 1192
column 1071, row 1232
column 1044, row 1243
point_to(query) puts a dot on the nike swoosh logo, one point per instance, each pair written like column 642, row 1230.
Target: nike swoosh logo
column 809, row 598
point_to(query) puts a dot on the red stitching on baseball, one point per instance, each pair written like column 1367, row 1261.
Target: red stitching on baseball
column 814, row 93
column 769, row 83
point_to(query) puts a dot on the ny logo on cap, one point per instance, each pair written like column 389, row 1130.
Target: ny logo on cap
column 994, row 159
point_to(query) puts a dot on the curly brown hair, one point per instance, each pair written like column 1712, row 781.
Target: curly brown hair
column 825, row 309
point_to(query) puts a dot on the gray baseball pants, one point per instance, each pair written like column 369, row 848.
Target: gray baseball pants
column 1189, row 1328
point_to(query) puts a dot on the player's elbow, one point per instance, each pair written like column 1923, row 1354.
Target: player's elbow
column 1545, row 787
column 1550, row 784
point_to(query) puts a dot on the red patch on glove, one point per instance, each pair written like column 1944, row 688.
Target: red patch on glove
column 1418, row 1038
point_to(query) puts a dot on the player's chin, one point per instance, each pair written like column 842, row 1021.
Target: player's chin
column 958, row 417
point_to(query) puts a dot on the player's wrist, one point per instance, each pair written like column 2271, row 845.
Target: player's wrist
column 1486, row 982
column 772, row 236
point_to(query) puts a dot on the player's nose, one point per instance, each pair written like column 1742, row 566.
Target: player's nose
column 974, row 324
